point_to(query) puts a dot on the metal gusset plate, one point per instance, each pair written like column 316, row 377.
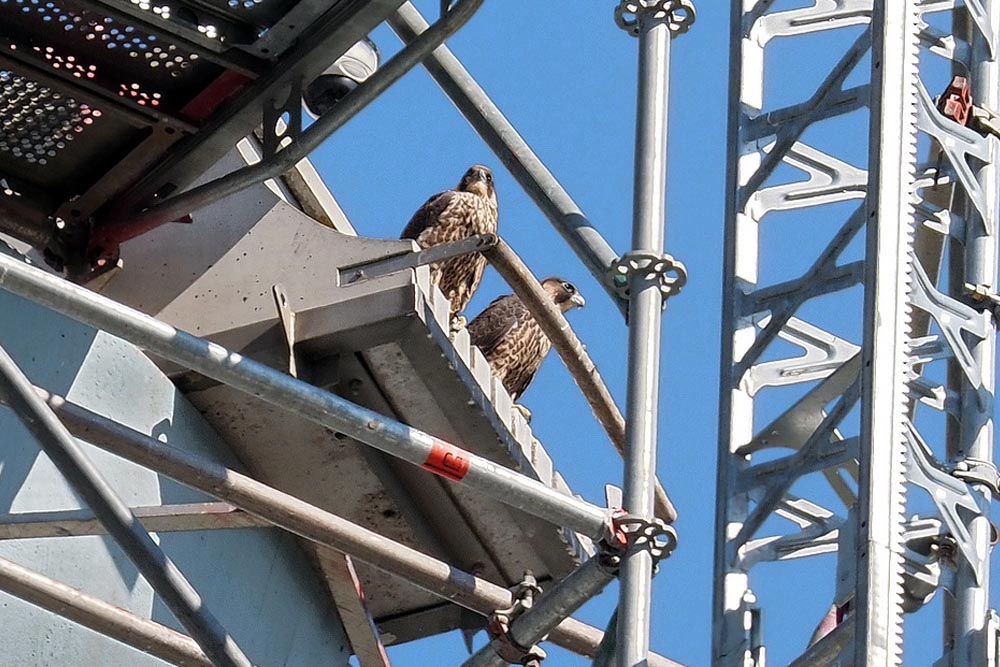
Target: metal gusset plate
column 959, row 143
column 955, row 319
column 951, row 496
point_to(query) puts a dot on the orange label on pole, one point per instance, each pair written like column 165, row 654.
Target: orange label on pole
column 448, row 461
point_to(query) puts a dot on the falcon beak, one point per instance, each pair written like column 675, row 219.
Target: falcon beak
column 578, row 300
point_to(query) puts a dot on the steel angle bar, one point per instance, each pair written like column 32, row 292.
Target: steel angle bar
column 307, row 521
column 352, row 608
column 286, row 158
column 785, row 308
column 512, row 150
column 573, row 353
column 107, row 619
column 355, row 273
column 789, row 135
column 837, row 103
column 534, row 623
column 161, row 573
column 780, row 482
column 305, row 400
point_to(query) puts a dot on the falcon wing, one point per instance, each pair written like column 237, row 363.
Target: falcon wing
column 490, row 327
column 427, row 215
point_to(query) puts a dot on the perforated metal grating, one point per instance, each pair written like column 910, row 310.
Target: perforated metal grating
column 109, row 103
column 37, row 122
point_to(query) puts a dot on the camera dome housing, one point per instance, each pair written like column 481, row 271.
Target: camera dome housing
column 340, row 78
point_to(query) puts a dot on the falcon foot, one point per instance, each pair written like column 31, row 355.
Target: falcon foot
column 525, row 412
column 458, row 322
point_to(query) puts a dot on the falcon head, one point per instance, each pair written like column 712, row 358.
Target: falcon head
column 479, row 181
column 564, row 294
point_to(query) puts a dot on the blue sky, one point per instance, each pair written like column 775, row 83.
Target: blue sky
column 564, row 74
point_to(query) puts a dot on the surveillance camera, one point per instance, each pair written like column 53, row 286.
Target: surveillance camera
column 340, row 78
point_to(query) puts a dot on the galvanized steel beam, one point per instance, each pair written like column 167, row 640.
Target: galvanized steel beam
column 915, row 319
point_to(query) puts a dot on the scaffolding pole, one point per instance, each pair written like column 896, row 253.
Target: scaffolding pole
column 101, row 617
column 284, row 159
column 305, row 400
column 572, row 352
column 654, row 28
column 161, row 573
column 309, row 522
column 968, row 612
column 534, row 623
column 512, row 150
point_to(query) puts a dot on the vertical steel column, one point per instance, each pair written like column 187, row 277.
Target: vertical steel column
column 653, row 22
column 916, row 320
column 969, row 610
column 888, row 265
column 161, row 573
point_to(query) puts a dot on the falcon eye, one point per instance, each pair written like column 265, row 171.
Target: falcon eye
column 569, row 288
column 489, row 178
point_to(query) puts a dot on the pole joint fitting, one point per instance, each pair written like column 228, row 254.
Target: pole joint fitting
column 499, row 624
column 978, row 471
column 652, row 535
column 983, row 298
column 679, row 15
column 669, row 273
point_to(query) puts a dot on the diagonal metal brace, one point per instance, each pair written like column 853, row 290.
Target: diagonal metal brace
column 352, row 274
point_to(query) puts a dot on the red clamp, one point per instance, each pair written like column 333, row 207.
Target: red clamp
column 956, row 101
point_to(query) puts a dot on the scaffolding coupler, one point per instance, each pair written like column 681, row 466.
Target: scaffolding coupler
column 652, row 535
column 670, row 273
column 679, row 14
column 515, row 631
column 956, row 103
column 498, row 625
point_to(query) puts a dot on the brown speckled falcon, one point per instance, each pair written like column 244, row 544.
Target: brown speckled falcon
column 469, row 209
column 511, row 340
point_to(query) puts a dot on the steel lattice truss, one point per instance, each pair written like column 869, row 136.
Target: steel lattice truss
column 858, row 350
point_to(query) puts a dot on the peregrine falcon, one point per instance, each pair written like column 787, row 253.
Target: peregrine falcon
column 452, row 215
column 511, row 340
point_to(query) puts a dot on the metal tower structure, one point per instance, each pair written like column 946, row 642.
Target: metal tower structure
column 856, row 414
column 98, row 151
